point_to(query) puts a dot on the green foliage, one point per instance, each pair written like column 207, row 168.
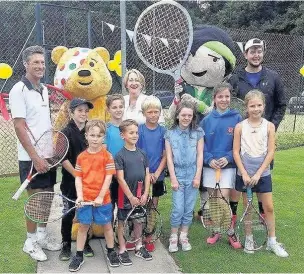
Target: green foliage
column 221, row 258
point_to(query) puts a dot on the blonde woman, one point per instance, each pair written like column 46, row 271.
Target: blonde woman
column 135, row 84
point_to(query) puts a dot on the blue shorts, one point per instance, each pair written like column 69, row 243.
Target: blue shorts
column 100, row 215
column 263, row 186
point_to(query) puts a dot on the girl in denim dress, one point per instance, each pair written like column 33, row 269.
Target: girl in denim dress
column 184, row 149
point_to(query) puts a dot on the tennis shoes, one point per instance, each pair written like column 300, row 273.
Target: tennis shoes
column 277, row 249
column 34, row 247
column 183, row 240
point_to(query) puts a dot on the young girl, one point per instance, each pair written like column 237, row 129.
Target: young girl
column 253, row 150
column 184, row 150
column 218, row 127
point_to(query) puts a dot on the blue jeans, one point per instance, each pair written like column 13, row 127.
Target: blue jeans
column 183, row 202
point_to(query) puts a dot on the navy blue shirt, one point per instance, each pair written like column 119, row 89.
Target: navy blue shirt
column 254, row 78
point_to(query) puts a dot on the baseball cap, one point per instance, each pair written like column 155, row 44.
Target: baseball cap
column 78, row 101
column 254, row 42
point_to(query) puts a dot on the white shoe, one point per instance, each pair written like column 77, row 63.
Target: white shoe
column 277, row 249
column 173, row 247
column 249, row 246
column 186, row 246
column 48, row 243
column 34, row 250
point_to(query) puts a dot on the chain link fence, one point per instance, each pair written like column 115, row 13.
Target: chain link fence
column 95, row 24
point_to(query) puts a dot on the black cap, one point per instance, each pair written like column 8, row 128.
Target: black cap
column 78, row 101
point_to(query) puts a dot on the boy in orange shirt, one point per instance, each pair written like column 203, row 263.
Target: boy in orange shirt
column 93, row 172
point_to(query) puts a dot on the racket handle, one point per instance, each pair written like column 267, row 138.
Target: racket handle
column 217, row 175
column 249, row 193
column 20, row 190
column 139, row 188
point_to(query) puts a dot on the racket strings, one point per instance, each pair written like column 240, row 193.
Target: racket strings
column 253, row 230
column 164, row 22
column 52, row 146
column 154, row 225
column 239, row 105
column 217, row 215
column 44, row 207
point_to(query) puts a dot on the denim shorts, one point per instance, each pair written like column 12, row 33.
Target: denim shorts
column 100, row 215
column 45, row 180
column 264, row 185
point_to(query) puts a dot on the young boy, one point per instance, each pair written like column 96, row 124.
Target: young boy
column 94, row 170
column 115, row 106
column 74, row 131
column 151, row 141
column 131, row 167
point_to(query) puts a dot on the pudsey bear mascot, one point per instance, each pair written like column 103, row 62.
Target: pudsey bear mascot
column 211, row 61
column 84, row 74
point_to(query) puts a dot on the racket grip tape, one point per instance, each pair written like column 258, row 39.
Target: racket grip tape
column 139, row 189
column 20, row 190
column 217, row 175
column 249, row 193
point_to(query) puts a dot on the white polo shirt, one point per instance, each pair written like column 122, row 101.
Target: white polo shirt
column 32, row 105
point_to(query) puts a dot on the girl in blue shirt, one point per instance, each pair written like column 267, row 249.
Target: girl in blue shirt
column 184, row 149
column 219, row 127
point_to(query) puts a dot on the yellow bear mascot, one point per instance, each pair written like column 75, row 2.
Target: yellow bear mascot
column 84, row 74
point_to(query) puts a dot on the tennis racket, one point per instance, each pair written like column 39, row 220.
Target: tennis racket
column 239, row 105
column 136, row 221
column 154, row 223
column 52, row 146
column 252, row 229
column 217, row 215
column 163, row 37
column 47, row 207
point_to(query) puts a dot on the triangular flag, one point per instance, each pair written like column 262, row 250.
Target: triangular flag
column 112, row 27
column 240, row 44
column 130, row 34
column 165, row 41
column 176, row 40
column 148, row 39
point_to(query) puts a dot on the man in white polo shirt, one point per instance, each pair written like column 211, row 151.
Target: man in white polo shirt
column 29, row 103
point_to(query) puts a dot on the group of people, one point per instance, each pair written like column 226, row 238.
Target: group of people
column 107, row 161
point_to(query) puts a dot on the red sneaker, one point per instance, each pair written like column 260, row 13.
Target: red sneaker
column 130, row 246
column 150, row 247
column 234, row 241
column 213, row 238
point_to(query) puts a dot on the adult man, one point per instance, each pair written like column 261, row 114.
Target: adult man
column 30, row 110
column 256, row 76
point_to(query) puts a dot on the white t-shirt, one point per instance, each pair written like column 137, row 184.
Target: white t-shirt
column 136, row 113
column 33, row 106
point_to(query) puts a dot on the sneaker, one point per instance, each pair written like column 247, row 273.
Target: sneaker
column 76, row 263
column 186, row 246
column 234, row 241
column 213, row 238
column 143, row 253
column 65, row 253
column 88, row 251
column 130, row 246
column 34, row 250
column 173, row 247
column 277, row 249
column 124, row 258
column 113, row 259
column 249, row 246
column 150, row 246
column 47, row 242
